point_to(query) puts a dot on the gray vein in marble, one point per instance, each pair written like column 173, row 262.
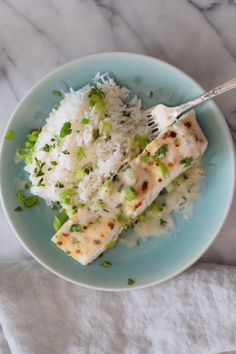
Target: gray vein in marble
column 33, row 25
column 204, row 11
column 4, row 73
column 111, row 14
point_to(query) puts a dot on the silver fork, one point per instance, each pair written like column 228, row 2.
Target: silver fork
column 160, row 116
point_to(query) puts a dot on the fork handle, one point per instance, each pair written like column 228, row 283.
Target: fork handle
column 229, row 85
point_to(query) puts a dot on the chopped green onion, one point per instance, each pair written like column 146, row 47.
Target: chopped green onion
column 65, row 130
column 59, row 185
column 147, row 158
column 187, row 161
column 98, row 205
column 161, row 152
column 122, row 219
column 46, row 148
column 60, row 220
column 180, row 179
column 163, row 222
column 9, row 135
column 18, row 209
column 22, row 153
column 66, row 152
column 140, row 140
column 56, row 93
column 75, row 228
column 95, row 134
column 65, row 196
column 163, row 169
column 105, row 264
column 20, row 196
column 54, row 163
column 40, row 183
column 81, row 154
column 55, row 206
column 131, row 281
column 79, row 174
column 38, row 171
column 31, row 201
column 97, row 99
column 170, row 187
column 129, row 193
column 84, row 121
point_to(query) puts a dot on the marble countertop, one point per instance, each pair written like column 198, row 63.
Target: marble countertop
column 198, row 36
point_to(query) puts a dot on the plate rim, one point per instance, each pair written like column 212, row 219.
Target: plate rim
column 230, row 141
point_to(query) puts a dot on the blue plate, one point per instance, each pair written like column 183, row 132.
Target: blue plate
column 158, row 259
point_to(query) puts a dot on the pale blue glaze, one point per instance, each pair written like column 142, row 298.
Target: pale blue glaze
column 159, row 258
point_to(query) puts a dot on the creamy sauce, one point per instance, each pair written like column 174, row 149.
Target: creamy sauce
column 180, row 199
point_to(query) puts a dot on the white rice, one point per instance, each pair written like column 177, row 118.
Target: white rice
column 105, row 156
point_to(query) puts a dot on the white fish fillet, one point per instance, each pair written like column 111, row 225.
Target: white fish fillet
column 185, row 143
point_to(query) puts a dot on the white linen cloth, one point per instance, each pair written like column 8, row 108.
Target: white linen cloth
column 194, row 313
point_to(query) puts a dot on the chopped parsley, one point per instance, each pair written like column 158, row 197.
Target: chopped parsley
column 56, row 106
column 105, row 264
column 163, row 222
column 161, row 152
column 56, row 93
column 65, row 130
column 147, row 158
column 66, row 152
column 9, row 135
column 40, row 183
column 31, row 201
column 27, row 185
column 187, row 161
column 122, row 219
column 59, row 184
column 75, row 228
column 97, row 205
column 60, row 220
column 46, row 148
column 129, row 193
column 97, row 99
column 81, row 153
column 164, row 170
column 65, row 196
column 27, row 151
column 54, row 163
column 18, row 209
column 131, row 281
column 84, row 121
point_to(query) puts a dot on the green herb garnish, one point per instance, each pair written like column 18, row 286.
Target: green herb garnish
column 163, row 222
column 27, row 152
column 105, row 264
column 97, row 99
column 66, row 152
column 129, row 193
column 75, row 228
column 40, row 183
column 140, row 141
column 147, row 158
column 97, row 205
column 131, row 281
column 65, row 196
column 60, row 220
column 31, row 201
column 38, row 171
column 54, row 163
column 84, row 121
column 56, row 93
column 56, row 106
column 187, row 161
column 164, row 170
column 9, row 135
column 161, row 152
column 81, row 153
column 65, row 130
column 18, row 209
column 122, row 219
column 59, row 184
column 46, row 148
